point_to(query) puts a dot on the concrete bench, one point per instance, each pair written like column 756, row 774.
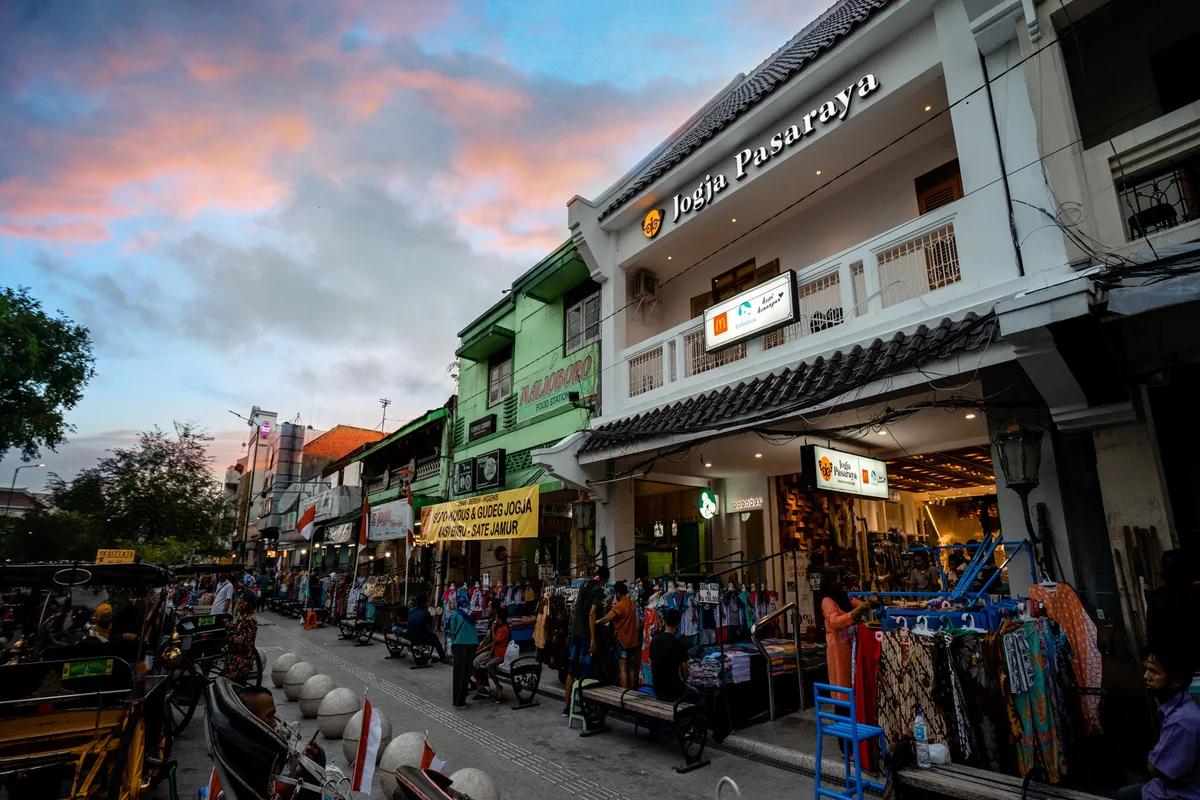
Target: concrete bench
column 524, row 675
column 970, row 783
column 688, row 716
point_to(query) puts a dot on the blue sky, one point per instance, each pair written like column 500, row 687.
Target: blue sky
column 259, row 203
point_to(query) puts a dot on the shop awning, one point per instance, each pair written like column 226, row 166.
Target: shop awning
column 415, row 425
column 793, row 390
column 554, row 275
column 490, row 340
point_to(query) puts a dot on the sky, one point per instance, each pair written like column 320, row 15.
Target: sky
column 298, row 205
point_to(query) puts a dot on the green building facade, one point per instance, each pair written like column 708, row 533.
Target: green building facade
column 529, row 371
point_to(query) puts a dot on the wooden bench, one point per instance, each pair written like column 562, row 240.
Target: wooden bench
column 970, row 783
column 524, row 675
column 358, row 628
column 688, row 715
column 397, row 643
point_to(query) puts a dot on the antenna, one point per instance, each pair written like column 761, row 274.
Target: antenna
column 383, row 401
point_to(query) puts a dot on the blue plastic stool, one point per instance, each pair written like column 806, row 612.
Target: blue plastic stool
column 851, row 733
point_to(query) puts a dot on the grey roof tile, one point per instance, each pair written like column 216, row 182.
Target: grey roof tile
column 805, row 385
column 832, row 26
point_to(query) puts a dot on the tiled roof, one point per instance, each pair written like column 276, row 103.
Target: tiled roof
column 340, row 440
column 808, row 45
column 795, row 389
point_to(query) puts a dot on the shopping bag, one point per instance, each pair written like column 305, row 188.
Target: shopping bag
column 510, row 655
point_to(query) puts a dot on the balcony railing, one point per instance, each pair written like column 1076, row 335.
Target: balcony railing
column 1162, row 200
column 907, row 262
column 429, row 469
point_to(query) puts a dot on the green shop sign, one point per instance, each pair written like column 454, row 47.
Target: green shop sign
column 548, row 389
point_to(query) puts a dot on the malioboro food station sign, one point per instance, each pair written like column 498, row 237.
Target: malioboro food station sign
column 752, row 158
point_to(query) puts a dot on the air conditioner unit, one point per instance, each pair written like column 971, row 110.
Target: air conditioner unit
column 645, row 283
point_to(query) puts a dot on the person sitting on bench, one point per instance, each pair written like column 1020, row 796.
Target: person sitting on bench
column 669, row 661
column 417, row 630
column 1174, row 763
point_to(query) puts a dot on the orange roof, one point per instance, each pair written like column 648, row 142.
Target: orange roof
column 341, row 440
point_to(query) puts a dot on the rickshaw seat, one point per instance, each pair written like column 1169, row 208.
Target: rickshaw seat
column 22, row 681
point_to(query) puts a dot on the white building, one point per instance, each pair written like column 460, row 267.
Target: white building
column 887, row 160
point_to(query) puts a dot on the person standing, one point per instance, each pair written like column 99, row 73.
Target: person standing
column 240, row 653
column 583, row 632
column 223, row 598
column 464, row 640
column 841, row 614
column 623, row 616
column 924, row 577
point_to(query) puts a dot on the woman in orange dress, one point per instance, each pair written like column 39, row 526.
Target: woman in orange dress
column 841, row 615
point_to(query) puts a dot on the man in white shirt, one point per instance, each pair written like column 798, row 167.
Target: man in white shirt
column 223, row 599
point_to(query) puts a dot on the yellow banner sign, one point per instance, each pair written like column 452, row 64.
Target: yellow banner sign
column 115, row 556
column 500, row 515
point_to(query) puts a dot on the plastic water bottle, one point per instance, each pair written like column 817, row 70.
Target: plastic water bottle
column 922, row 738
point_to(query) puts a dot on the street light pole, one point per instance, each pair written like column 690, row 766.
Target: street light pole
column 13, row 488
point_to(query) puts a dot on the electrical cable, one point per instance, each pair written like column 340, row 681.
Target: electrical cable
column 532, row 370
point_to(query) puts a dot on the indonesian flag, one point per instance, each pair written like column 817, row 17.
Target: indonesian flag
column 368, row 748
column 213, row 792
column 366, row 522
column 429, row 759
column 305, row 525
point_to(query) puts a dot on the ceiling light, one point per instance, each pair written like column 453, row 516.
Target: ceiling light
column 970, row 416
column 707, row 464
column 883, row 432
column 669, row 258
column 818, row 172
column 929, row 108
column 758, row 455
column 734, row 219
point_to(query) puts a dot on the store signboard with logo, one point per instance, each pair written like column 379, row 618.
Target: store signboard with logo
column 835, row 471
column 489, row 470
column 464, row 477
column 762, row 309
column 500, row 515
column 340, row 533
column 392, row 520
column 708, row 504
column 550, row 388
column 744, row 504
column 484, row 426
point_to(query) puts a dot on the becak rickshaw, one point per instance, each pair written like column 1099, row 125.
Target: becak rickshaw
column 82, row 707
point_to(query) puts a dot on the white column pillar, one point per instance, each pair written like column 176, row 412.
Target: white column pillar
column 615, row 522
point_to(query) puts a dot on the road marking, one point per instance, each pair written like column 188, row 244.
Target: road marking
column 543, row 768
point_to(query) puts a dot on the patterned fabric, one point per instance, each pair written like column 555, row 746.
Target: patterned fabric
column 950, row 698
column 906, row 680
column 980, row 693
column 1064, row 608
column 1019, row 661
column 650, row 627
column 1039, row 742
column 239, row 655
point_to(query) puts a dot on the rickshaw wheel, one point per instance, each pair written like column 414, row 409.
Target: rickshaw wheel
column 182, row 700
column 258, row 668
column 130, row 764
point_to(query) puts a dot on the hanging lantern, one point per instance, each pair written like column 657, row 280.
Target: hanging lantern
column 1020, row 454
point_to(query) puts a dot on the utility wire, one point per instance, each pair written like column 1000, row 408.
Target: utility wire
column 928, row 121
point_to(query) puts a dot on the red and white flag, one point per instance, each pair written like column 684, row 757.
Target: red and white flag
column 429, row 759
column 365, row 528
column 213, row 792
column 368, row 749
column 305, row 524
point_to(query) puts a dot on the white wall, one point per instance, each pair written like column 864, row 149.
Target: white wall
column 877, row 203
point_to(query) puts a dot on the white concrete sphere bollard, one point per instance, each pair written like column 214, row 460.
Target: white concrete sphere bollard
column 335, row 711
column 313, row 692
column 474, row 783
column 280, row 669
column 406, row 750
column 353, row 731
column 293, row 682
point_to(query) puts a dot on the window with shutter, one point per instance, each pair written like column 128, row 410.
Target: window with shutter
column 766, row 272
column 733, row 282
column 939, row 187
column 699, row 303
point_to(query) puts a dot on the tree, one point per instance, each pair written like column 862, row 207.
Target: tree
column 44, row 364
column 158, row 497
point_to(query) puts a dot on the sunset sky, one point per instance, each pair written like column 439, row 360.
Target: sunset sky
column 298, row 204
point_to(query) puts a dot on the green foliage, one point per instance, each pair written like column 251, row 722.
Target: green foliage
column 44, row 364
column 158, row 497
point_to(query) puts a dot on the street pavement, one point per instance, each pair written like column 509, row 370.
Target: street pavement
column 529, row 753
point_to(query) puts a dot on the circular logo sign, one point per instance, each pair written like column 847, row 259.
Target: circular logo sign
column 826, row 468
column 708, row 504
column 652, row 222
